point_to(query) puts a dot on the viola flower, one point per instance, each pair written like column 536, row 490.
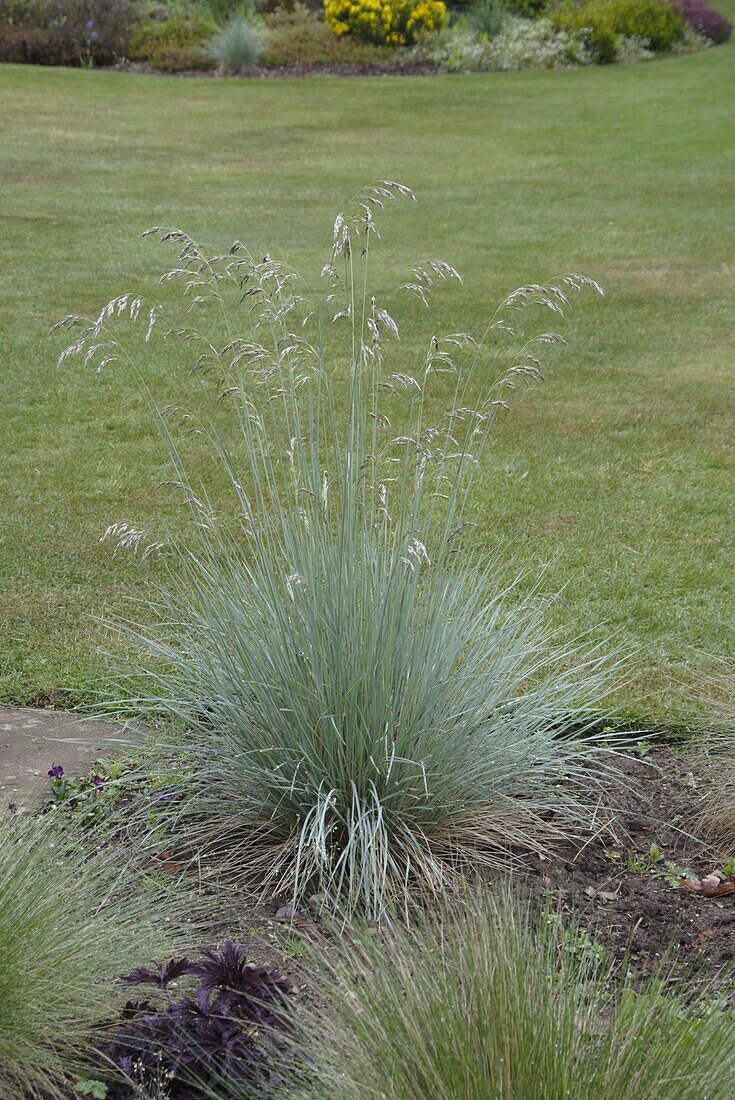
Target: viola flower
column 12, row 807
column 98, row 781
column 90, row 24
column 55, row 772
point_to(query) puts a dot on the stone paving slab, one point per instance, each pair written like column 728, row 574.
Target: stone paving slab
column 31, row 741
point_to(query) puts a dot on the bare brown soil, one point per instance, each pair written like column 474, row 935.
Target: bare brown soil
column 317, row 68
column 631, row 901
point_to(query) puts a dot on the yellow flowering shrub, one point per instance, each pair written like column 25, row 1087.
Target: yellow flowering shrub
column 385, row 22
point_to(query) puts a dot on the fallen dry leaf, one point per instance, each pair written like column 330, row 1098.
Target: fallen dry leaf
column 167, row 863
column 603, row 895
column 711, row 886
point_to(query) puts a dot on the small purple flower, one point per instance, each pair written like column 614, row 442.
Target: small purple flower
column 12, row 806
column 56, row 772
column 98, row 781
column 90, row 24
column 94, row 34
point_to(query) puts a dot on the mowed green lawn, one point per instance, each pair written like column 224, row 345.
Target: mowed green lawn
column 618, row 476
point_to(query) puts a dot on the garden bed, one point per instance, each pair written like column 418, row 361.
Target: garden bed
column 343, row 38
column 623, row 883
column 625, row 887
column 629, row 903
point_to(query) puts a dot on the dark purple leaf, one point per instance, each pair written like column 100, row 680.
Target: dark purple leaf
column 230, row 1028
column 161, row 976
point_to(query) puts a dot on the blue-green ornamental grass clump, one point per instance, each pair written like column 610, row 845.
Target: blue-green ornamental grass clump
column 239, row 44
column 368, row 705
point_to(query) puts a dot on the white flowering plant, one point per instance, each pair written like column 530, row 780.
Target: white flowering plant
column 519, row 44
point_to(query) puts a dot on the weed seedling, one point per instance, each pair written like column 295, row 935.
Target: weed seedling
column 640, row 864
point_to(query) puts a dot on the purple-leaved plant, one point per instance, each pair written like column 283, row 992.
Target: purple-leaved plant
column 232, row 1025
column 161, row 976
column 702, row 17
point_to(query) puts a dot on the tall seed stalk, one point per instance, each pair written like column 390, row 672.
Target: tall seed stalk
column 369, row 709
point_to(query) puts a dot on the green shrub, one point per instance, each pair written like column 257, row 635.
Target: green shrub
column 300, row 37
column 238, row 45
column 592, row 21
column 223, row 10
column 656, row 21
column 181, row 33
column 180, row 59
column 22, row 11
column 528, row 9
column 71, row 922
column 488, row 1006
column 604, row 22
column 369, row 707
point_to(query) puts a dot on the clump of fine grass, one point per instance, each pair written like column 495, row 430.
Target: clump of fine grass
column 711, row 753
column 487, row 17
column 70, row 924
column 370, row 707
column 238, row 45
column 715, row 821
column 367, row 733
column 488, row 1005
